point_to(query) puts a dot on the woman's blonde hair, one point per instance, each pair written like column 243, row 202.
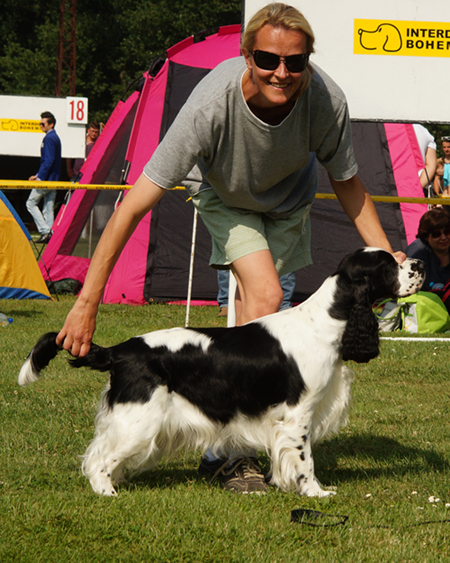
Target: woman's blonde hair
column 287, row 17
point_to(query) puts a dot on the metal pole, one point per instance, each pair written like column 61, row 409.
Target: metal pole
column 91, row 223
column 191, row 267
column 232, row 286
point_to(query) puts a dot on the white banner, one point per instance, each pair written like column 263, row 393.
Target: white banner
column 391, row 57
column 20, row 134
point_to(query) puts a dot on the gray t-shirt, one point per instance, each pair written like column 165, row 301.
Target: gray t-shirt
column 217, row 142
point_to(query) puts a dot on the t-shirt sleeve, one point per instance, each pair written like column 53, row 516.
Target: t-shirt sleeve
column 335, row 152
column 177, row 153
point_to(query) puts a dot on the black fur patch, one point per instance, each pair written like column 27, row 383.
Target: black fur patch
column 244, row 370
column 44, row 351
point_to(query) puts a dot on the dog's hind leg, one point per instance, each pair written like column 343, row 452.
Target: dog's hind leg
column 292, row 460
column 103, row 462
column 126, row 439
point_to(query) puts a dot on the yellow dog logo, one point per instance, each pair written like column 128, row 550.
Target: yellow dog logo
column 385, row 39
column 9, row 125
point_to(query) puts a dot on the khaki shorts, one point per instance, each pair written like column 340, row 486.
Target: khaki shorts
column 237, row 233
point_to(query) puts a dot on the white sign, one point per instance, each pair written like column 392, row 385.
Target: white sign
column 76, row 110
column 391, row 57
column 20, row 134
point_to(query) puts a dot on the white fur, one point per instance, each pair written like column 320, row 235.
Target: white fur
column 26, row 374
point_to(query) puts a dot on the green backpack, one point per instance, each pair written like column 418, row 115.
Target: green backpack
column 425, row 313
column 422, row 312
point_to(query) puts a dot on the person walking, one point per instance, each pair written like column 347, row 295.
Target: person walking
column 49, row 170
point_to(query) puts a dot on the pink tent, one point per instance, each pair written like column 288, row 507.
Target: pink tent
column 149, row 114
column 406, row 162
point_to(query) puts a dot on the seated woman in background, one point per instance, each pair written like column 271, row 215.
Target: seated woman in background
column 432, row 246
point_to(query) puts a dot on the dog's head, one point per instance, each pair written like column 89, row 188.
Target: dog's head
column 375, row 273
column 363, row 277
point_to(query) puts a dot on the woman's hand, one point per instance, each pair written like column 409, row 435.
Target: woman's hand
column 399, row 256
column 76, row 334
column 78, row 330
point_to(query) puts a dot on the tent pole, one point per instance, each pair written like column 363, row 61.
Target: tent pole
column 91, row 221
column 191, row 267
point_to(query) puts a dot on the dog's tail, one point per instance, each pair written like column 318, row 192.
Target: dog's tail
column 39, row 358
column 46, row 349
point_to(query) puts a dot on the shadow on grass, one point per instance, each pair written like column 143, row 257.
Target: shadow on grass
column 26, row 314
column 367, row 456
column 164, row 477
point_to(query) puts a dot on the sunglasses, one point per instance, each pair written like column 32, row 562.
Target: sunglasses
column 447, row 138
column 270, row 61
column 438, row 234
column 42, row 124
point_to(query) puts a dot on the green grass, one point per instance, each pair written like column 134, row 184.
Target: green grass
column 386, row 463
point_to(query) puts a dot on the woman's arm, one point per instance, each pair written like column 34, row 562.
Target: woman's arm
column 430, row 167
column 437, row 184
column 76, row 334
column 358, row 205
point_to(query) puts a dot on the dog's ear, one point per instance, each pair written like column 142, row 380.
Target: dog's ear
column 360, row 341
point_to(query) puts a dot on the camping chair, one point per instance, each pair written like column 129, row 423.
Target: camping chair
column 428, row 190
column 39, row 251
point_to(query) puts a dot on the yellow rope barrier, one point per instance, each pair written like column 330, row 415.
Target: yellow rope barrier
column 27, row 185
column 443, row 200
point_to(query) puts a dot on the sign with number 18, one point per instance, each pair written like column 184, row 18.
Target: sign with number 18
column 76, row 110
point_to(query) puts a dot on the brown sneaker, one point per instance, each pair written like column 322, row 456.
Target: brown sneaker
column 244, row 476
column 223, row 312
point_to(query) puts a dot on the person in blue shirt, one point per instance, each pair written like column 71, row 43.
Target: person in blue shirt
column 49, row 170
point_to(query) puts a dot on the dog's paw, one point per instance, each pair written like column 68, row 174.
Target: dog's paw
column 108, row 492
column 325, row 493
column 312, row 488
column 102, row 485
column 318, row 493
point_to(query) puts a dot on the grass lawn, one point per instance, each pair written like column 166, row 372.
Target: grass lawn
column 387, row 464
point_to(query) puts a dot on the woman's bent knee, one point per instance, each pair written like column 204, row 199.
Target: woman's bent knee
column 262, row 303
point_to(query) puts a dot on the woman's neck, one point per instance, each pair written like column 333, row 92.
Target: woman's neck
column 272, row 115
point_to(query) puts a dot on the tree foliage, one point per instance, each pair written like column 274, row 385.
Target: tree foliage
column 116, row 40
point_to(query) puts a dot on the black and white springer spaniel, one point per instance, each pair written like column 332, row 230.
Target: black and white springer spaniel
column 276, row 384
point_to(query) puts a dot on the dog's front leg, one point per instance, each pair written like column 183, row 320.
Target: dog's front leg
column 306, row 480
column 292, row 460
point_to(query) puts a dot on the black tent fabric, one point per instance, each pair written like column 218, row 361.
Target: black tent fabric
column 181, row 80
column 170, row 251
column 332, row 233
